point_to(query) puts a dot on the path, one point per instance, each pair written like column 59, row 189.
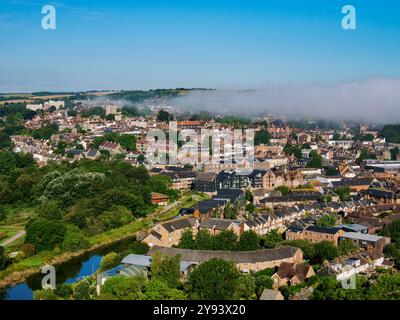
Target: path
column 13, row 238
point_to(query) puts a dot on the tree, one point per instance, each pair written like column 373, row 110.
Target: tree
column 263, row 281
column 394, row 153
column 164, row 116
column 245, row 287
column 74, row 239
column 124, row 288
column 289, row 150
column 271, row 239
column 391, row 250
column 326, row 221
column 315, row 161
column 305, row 246
column 285, row 191
column 5, row 140
column 50, row 210
column 204, row 240
column 343, row 193
column 157, row 289
column 248, row 196
column 187, row 241
column 45, row 234
column 226, row 240
column 3, row 214
column 330, row 171
column 4, row 260
column 140, row 248
column 166, row 269
column 250, row 207
column 64, row 291
column 109, row 261
column 215, row 279
column 346, row 246
column 364, row 155
column 325, row 250
column 82, row 290
column 249, row 241
column 7, row 163
column 262, row 137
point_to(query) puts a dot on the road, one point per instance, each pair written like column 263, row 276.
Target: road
column 13, row 238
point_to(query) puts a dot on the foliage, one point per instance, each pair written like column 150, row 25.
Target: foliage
column 248, row 241
column 343, row 193
column 285, row 191
column 109, row 261
column 315, row 160
column 346, row 246
column 271, row 239
column 246, row 287
column 124, row 288
column 45, row 234
column 325, row 250
column 81, row 290
column 262, row 137
column 74, row 239
column 166, row 269
column 289, row 150
column 164, row 116
column 156, row 289
column 215, row 279
column 327, row 221
column 4, row 260
column 391, row 132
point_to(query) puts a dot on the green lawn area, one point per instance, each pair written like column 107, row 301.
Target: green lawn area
column 18, row 215
column 187, row 201
column 9, row 232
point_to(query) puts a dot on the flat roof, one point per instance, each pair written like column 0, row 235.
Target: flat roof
column 361, row 236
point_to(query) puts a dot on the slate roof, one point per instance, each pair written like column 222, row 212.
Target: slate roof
column 279, row 253
column 178, row 224
column 206, row 176
column 322, row 230
column 218, row 224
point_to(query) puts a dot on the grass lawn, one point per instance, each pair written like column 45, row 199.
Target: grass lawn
column 18, row 215
column 187, row 201
column 9, row 232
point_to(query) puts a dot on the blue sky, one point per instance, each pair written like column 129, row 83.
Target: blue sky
column 235, row 44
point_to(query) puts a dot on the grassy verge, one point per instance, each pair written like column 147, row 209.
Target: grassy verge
column 9, row 232
column 188, row 201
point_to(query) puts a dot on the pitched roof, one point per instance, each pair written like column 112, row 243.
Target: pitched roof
column 178, row 224
column 279, row 253
column 269, row 294
column 322, row 230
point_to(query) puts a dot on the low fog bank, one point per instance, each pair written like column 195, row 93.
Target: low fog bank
column 376, row 101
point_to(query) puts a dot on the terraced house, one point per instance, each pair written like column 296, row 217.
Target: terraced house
column 169, row 233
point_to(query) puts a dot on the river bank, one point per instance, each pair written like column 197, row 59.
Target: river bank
column 21, row 271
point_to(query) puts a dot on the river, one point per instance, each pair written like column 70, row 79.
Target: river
column 68, row 272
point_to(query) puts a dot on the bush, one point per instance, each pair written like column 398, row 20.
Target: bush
column 74, row 239
column 123, row 288
column 81, row 290
column 28, row 249
column 110, row 260
column 63, row 291
column 215, row 279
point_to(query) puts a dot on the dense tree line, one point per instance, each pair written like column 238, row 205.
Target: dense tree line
column 226, row 240
column 74, row 201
